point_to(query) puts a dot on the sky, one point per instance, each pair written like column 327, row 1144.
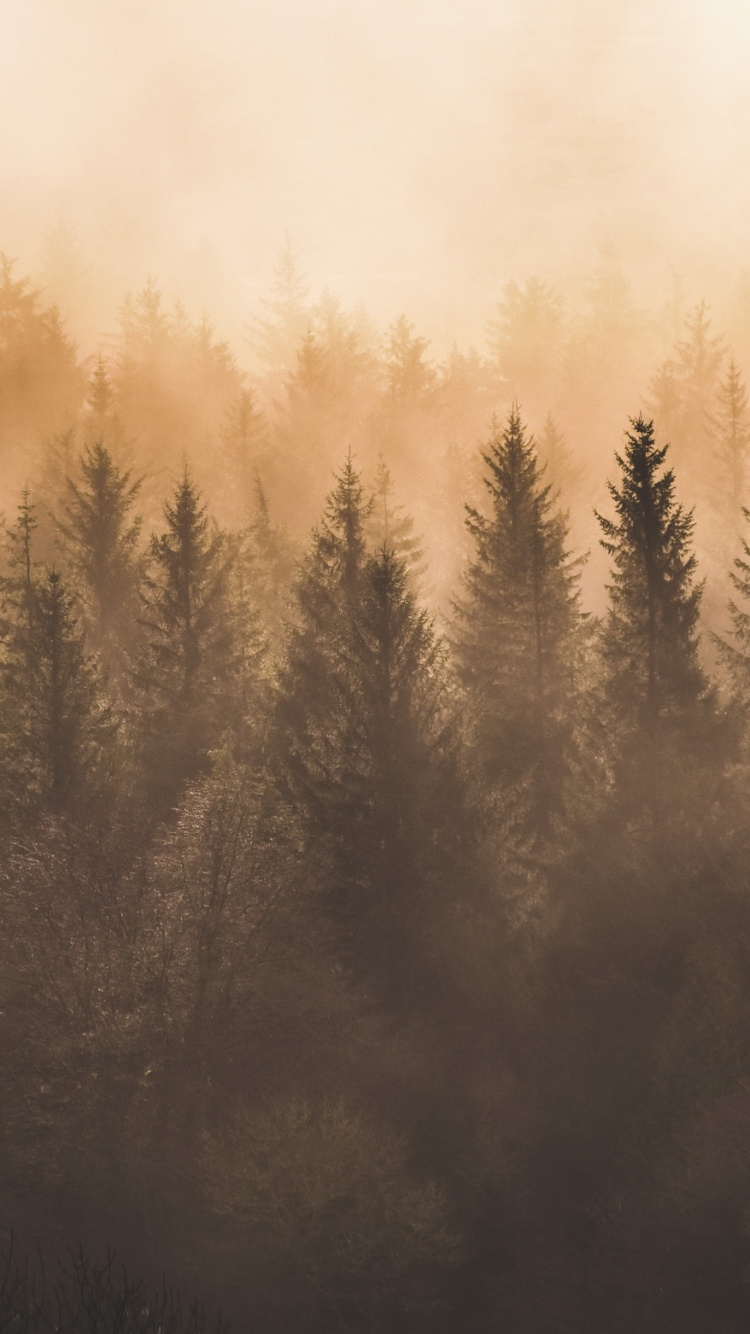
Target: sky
column 419, row 154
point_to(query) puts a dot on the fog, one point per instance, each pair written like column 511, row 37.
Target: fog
column 419, row 154
column 374, row 666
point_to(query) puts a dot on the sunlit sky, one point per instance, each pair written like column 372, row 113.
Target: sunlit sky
column 418, row 153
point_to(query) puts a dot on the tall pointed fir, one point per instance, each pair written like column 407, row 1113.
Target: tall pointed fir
column 563, row 473
column 390, row 526
column 276, row 336
column 729, row 425
column 100, row 534
column 650, row 635
column 683, row 392
column 101, row 422
column 18, row 579
column 734, row 648
column 56, row 724
column 409, row 376
column 265, row 567
column 326, row 589
column 242, row 444
column 188, row 672
column 519, row 629
column 368, row 755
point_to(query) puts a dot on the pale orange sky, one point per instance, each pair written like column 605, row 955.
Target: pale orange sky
column 420, row 154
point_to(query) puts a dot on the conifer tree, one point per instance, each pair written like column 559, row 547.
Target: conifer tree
column 409, row 376
column 683, row 391
column 649, row 639
column 339, row 544
column 699, row 357
column 276, row 337
column 735, row 650
column 102, row 424
column 368, row 754
column 56, row 723
column 326, row 591
column 526, row 337
column 42, row 382
column 101, row 539
column 390, row 526
column 519, row 626
column 187, row 672
column 18, row 582
column 266, row 567
column 562, row 473
column 730, row 427
column 398, row 829
column 243, row 442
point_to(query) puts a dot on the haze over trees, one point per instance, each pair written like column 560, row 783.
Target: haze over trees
column 374, row 914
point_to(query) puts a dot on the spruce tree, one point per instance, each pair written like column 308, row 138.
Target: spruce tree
column 56, row 723
column 243, row 442
column 683, row 392
column 562, row 472
column 100, row 535
column 276, row 337
column 367, row 753
column 370, row 762
column 265, row 567
column 102, row 423
column 188, row 670
column 526, row 338
column 18, row 581
column 729, row 425
column 409, row 376
column 519, row 627
column 735, row 649
column 326, row 590
column 650, row 635
column 390, row 526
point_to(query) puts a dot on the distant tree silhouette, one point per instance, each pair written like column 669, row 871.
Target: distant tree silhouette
column 101, row 535
column 650, row 635
column 187, row 672
column 518, row 626
column 56, row 722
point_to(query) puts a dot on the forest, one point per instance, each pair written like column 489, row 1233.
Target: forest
column 375, row 820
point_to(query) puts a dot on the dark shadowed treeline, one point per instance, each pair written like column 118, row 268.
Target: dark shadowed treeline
column 373, row 891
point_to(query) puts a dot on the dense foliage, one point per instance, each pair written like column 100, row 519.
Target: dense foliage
column 374, row 919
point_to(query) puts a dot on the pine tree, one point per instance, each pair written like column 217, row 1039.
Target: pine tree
column 326, row 590
column 56, row 724
column 526, row 338
column 519, row 627
column 368, row 754
column 243, row 442
column 42, row 383
column 266, row 567
column 409, row 376
column 276, row 338
column 101, row 539
column 390, row 526
column 563, row 474
column 735, row 650
column 173, row 380
column 665, row 401
column 102, row 422
column 339, row 544
column 18, row 583
column 683, row 391
column 649, row 639
column 699, row 358
column 729, row 425
column 188, row 671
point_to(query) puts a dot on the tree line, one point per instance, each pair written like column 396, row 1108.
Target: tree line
column 364, row 975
